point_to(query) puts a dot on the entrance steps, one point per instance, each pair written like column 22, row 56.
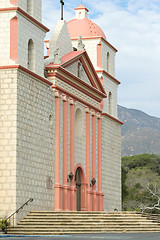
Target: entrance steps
column 60, row 223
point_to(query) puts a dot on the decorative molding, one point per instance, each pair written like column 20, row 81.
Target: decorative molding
column 96, row 37
column 87, row 110
column 71, row 101
column 76, row 98
column 56, row 94
column 108, row 75
column 77, row 92
column 48, row 82
column 64, row 98
column 89, row 70
column 93, row 112
column 26, row 15
column 99, row 116
column 113, row 118
column 89, row 91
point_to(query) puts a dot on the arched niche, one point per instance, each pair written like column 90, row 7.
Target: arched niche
column 30, row 7
column 31, row 55
column 14, row 39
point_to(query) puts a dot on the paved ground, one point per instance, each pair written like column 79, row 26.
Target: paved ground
column 112, row 236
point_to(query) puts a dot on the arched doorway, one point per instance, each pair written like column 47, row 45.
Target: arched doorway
column 81, row 188
column 78, row 186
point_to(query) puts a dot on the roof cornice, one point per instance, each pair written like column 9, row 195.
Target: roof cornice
column 113, row 118
column 76, row 82
column 97, row 37
column 46, row 81
column 26, row 15
column 109, row 75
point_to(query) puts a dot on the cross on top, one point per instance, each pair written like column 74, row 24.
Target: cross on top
column 62, row 4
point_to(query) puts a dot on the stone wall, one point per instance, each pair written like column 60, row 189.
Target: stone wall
column 32, row 7
column 5, row 37
column 8, row 140
column 26, row 143
column 35, row 143
column 5, row 3
column 110, row 87
column 107, row 49
column 73, row 68
column 111, row 164
column 28, row 31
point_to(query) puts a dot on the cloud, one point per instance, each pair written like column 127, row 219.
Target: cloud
column 132, row 26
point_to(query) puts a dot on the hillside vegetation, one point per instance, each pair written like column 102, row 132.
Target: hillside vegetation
column 141, row 182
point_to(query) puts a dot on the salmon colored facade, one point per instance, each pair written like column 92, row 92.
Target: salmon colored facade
column 60, row 135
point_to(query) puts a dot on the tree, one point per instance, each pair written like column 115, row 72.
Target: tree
column 140, row 175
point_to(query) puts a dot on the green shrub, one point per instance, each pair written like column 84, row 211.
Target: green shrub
column 4, row 225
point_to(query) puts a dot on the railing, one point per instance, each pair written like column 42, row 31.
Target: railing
column 13, row 214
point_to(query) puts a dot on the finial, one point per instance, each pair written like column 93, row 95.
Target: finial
column 81, row 46
column 62, row 4
column 57, row 58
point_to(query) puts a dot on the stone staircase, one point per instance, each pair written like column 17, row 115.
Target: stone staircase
column 58, row 223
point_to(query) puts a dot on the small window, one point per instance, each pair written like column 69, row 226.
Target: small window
column 108, row 62
column 31, row 55
column 110, row 103
column 30, row 7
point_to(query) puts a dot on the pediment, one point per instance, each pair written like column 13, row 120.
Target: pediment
column 79, row 64
column 76, row 70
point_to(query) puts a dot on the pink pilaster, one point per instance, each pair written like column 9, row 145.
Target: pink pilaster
column 94, row 198
column 57, row 187
column 14, row 39
column 13, row 2
column 65, row 185
column 72, row 183
column 99, row 55
column 88, row 158
column 100, row 195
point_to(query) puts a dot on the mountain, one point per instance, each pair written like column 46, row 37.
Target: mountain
column 140, row 132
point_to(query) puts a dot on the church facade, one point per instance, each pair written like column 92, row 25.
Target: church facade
column 60, row 137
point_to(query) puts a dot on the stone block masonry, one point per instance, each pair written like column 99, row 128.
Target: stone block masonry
column 111, row 164
column 35, row 142
column 26, row 143
column 8, row 135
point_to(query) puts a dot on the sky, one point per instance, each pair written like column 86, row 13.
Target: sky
column 132, row 27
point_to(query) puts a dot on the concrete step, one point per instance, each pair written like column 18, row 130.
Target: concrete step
column 79, row 228
column 82, row 217
column 53, row 223
column 84, row 223
column 64, row 232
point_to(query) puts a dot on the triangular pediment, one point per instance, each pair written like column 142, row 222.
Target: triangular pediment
column 76, row 70
column 79, row 64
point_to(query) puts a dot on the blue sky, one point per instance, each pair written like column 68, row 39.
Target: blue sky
column 133, row 27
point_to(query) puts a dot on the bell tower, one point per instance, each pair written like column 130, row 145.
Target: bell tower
column 22, row 34
column 21, row 84
column 81, row 12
